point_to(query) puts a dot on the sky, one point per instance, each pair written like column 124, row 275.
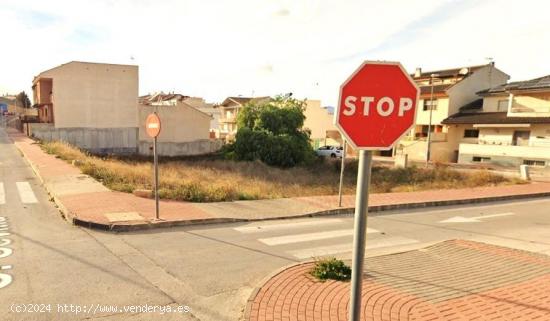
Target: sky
column 219, row 48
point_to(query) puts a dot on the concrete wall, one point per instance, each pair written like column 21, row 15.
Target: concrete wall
column 465, row 91
column 198, row 147
column 93, row 95
column 416, row 151
column 95, row 140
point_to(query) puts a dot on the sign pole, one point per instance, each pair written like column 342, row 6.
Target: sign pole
column 359, row 236
column 152, row 128
column 342, row 174
column 156, row 165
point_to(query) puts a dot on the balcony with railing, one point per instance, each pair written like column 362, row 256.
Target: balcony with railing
column 534, row 152
column 231, row 119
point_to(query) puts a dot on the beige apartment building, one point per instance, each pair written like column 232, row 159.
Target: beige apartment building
column 508, row 125
column 90, row 105
column 442, row 94
column 320, row 122
column 185, row 128
column 229, row 109
column 173, row 99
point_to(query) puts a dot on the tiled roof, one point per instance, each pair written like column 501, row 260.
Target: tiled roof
column 537, row 83
column 160, row 97
column 474, row 105
column 243, row 100
column 445, row 73
column 438, row 89
column 492, row 118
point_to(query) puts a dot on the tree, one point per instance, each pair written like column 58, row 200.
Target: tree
column 23, row 100
column 271, row 131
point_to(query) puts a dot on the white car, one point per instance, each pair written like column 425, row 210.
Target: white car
column 330, row 151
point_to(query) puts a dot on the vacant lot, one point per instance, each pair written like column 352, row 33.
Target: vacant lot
column 210, row 180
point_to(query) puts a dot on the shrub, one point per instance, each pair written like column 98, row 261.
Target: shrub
column 272, row 132
column 331, row 269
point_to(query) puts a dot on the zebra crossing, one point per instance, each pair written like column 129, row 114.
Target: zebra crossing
column 313, row 238
column 24, row 191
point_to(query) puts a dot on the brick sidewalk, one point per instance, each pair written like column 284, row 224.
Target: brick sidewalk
column 452, row 280
column 87, row 202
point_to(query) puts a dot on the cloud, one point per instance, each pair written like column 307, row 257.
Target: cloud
column 219, row 48
column 282, row 12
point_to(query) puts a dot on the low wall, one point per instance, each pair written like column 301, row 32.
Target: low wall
column 507, row 161
column 95, row 140
column 416, row 151
column 197, row 147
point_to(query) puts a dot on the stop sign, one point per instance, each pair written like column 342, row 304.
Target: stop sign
column 377, row 105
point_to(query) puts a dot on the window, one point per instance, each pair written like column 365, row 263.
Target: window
column 521, row 138
column 531, row 162
column 430, row 104
column 502, row 105
column 471, row 133
column 479, row 159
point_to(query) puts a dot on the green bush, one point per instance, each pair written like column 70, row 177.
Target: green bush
column 272, row 132
column 331, row 269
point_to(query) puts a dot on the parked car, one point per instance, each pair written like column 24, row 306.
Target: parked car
column 330, row 151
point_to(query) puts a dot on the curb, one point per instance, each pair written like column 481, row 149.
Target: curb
column 337, row 211
column 246, row 315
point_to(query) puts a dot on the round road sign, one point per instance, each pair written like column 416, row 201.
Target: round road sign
column 152, row 125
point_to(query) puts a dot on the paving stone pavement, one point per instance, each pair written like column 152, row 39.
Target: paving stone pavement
column 452, row 280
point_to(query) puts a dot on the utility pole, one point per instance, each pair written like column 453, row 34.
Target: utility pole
column 342, row 174
column 429, row 140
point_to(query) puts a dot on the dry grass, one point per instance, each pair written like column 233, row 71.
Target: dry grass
column 209, row 180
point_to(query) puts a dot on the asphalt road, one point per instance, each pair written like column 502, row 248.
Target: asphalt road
column 211, row 269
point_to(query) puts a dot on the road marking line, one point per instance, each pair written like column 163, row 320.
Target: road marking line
column 250, row 228
column 2, row 194
column 493, row 215
column 347, row 247
column 473, row 219
column 297, row 238
column 25, row 193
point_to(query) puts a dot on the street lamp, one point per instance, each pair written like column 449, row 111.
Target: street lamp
column 429, row 142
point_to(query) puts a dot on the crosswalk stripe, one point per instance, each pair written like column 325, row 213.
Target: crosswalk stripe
column 25, row 193
column 347, row 247
column 297, row 238
column 2, row 194
column 253, row 228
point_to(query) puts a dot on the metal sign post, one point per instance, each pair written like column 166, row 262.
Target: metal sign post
column 342, row 165
column 377, row 106
column 360, row 226
column 152, row 127
column 156, row 165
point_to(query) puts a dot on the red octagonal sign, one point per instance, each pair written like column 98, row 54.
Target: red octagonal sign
column 377, row 105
